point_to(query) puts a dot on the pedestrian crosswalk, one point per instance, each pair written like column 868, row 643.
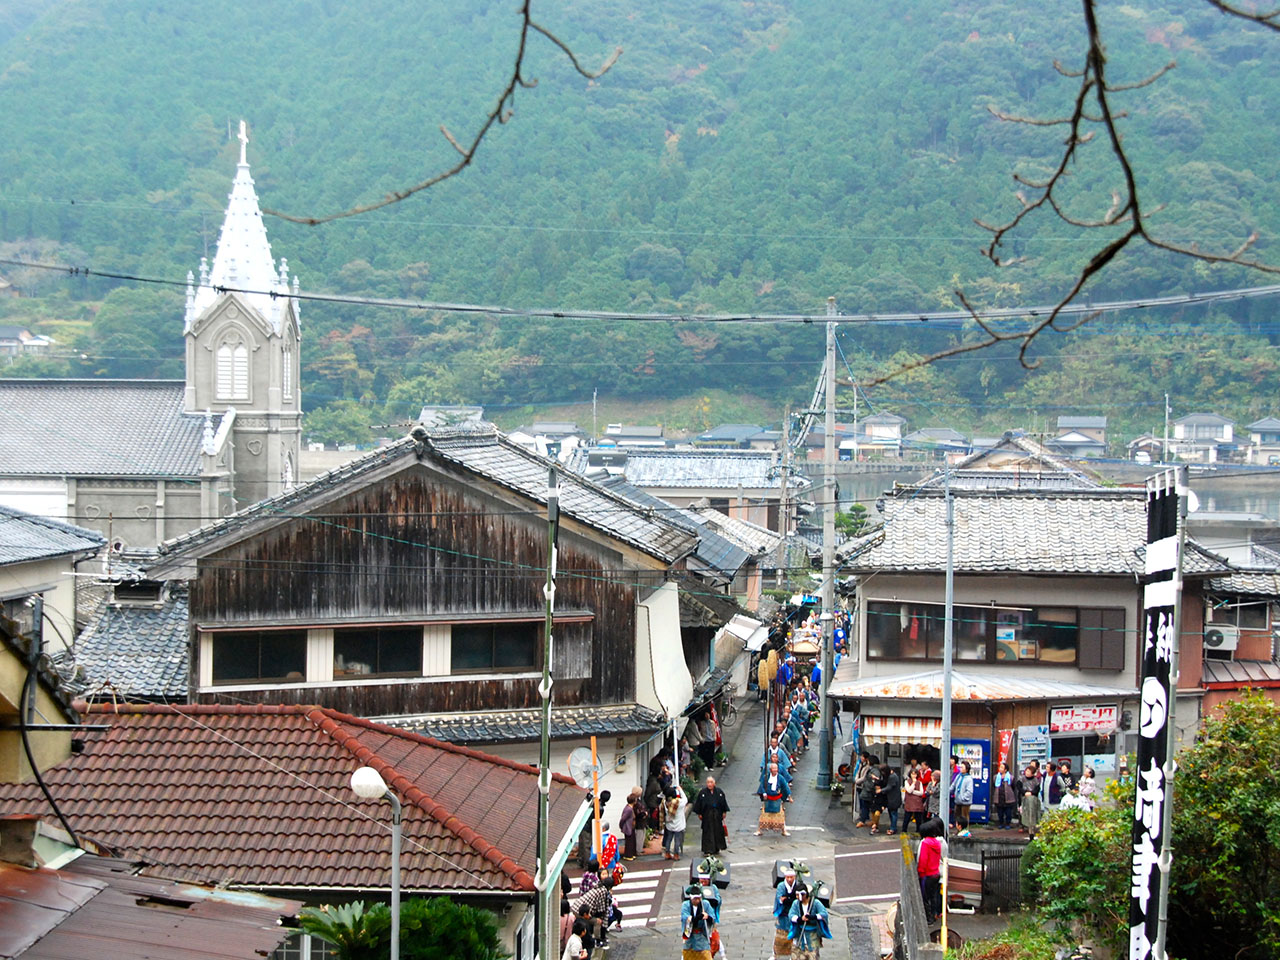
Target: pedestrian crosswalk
column 639, row 896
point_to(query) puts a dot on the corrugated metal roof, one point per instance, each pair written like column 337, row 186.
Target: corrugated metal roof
column 258, row 797
column 89, row 428
column 481, row 450
column 134, row 651
column 1240, row 673
column 24, row 537
column 966, row 686
column 101, row 908
column 1087, row 532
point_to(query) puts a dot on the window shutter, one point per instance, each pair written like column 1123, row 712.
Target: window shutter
column 1102, row 638
column 1090, row 639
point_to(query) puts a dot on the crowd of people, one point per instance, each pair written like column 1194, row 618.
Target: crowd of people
column 801, row 921
column 916, row 794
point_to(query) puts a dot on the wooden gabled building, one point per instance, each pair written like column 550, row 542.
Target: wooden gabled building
column 408, row 586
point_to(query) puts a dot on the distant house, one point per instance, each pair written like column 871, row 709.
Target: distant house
column 884, row 433
column 256, row 798
column 732, row 436
column 1264, row 441
column 935, row 443
column 7, row 289
column 1146, row 448
column 1095, row 428
column 1203, row 438
column 1016, row 461
column 1081, row 437
column 741, row 483
column 621, row 435
column 14, row 340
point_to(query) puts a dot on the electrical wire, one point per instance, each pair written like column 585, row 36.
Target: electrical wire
column 942, row 317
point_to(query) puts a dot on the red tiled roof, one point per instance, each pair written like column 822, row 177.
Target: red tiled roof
column 258, row 796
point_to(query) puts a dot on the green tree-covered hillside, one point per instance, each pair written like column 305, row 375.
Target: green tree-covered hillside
column 748, row 156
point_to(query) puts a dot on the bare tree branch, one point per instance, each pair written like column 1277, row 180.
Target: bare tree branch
column 1271, row 19
column 1092, row 107
column 502, row 112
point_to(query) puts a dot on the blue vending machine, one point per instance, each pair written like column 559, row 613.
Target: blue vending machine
column 978, row 753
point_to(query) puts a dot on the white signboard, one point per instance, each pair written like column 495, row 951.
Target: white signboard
column 1084, row 719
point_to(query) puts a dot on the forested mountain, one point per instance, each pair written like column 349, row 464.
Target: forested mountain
column 755, row 156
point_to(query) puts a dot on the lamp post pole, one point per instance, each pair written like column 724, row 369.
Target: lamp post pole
column 368, row 784
column 829, row 508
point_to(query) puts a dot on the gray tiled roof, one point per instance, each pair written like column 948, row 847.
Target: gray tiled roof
column 1262, row 583
column 1016, row 453
column 26, row 537
column 719, row 469
column 1203, row 418
column 481, row 450
column 134, row 651
column 1266, row 423
column 1084, row 532
column 1008, row 480
column 93, row 428
column 513, row 726
column 714, row 550
column 750, row 536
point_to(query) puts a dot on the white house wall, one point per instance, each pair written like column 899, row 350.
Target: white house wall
column 663, row 682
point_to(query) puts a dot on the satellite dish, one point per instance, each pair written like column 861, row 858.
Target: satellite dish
column 580, row 767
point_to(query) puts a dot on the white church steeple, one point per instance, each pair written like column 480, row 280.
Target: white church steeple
column 243, row 260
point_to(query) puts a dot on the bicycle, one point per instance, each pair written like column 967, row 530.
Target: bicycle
column 729, row 709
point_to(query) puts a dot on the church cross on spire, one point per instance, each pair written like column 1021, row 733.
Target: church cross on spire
column 244, row 141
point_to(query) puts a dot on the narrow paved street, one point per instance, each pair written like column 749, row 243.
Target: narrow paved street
column 864, row 870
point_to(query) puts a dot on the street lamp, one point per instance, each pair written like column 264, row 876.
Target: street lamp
column 368, row 784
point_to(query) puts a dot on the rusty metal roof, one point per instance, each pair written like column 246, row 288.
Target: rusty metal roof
column 102, row 908
column 257, row 797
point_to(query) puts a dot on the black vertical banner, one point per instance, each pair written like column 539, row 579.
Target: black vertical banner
column 1161, row 586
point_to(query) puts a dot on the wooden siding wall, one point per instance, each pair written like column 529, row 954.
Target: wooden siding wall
column 420, row 545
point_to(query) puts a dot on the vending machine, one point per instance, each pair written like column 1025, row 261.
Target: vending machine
column 978, row 753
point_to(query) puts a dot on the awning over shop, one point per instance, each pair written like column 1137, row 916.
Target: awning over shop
column 971, row 687
column 902, row 730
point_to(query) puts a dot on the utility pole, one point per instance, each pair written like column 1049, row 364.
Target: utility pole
column 784, row 515
column 595, row 431
column 948, row 644
column 828, row 550
column 1164, row 451
column 548, row 893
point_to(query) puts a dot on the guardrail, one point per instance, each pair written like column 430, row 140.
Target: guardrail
column 911, row 932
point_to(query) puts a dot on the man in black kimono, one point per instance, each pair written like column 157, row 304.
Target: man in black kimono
column 711, row 805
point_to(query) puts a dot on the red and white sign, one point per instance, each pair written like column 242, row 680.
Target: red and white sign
column 1083, row 719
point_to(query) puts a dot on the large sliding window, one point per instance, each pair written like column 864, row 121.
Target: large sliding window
column 260, row 656
column 898, row 630
column 494, row 647
column 377, row 652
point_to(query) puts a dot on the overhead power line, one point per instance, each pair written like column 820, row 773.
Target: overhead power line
column 942, row 317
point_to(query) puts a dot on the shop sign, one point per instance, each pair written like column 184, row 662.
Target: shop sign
column 1084, row 719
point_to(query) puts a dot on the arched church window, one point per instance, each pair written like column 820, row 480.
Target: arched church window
column 233, row 368
column 287, row 373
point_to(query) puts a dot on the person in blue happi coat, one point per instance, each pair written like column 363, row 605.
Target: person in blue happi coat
column 809, row 926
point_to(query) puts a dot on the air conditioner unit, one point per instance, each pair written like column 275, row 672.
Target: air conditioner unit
column 1222, row 638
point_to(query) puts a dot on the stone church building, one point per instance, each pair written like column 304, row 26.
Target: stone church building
column 143, row 461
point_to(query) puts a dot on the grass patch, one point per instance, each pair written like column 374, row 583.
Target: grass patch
column 1024, row 939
